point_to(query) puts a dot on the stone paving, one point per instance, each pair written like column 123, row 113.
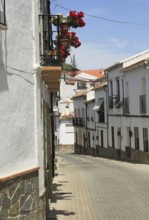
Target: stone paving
column 93, row 188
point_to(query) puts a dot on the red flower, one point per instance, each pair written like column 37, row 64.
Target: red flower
column 80, row 14
column 73, row 14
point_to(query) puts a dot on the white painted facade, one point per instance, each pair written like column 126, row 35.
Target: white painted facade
column 136, row 80
column 80, row 113
column 17, row 90
column 67, row 90
column 90, row 123
column 66, row 131
column 124, row 132
column 115, row 76
column 64, row 126
column 22, row 93
column 133, row 83
column 100, row 120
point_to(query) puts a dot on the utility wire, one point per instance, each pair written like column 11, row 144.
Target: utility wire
column 103, row 18
column 19, row 70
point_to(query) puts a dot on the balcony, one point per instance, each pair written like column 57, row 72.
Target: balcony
column 49, row 52
column 79, row 122
column 50, row 58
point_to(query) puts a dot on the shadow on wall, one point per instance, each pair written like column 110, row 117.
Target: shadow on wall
column 3, row 59
column 4, row 73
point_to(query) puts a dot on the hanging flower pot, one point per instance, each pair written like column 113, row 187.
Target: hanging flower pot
column 64, row 42
column 64, row 27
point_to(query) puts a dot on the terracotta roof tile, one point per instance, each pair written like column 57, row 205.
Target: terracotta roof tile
column 95, row 72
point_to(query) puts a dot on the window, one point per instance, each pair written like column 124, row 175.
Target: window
column 78, row 113
column 75, row 113
column 118, row 89
column 76, row 138
column 101, row 133
column 99, row 108
column 83, row 115
column 111, row 88
column 110, row 102
column 136, row 138
column 145, row 139
column 88, row 139
column 111, row 95
column 112, row 136
column 142, row 103
column 126, row 105
column 2, row 15
column 101, row 116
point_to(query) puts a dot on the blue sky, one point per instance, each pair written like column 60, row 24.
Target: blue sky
column 103, row 42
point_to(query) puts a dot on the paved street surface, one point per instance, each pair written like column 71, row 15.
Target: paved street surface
column 93, row 188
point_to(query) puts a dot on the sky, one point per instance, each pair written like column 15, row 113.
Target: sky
column 105, row 42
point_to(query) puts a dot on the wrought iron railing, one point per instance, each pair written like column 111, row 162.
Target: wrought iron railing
column 49, row 46
column 78, row 122
column 2, row 13
column 50, row 60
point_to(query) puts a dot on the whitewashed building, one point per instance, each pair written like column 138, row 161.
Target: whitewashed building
column 128, row 108
column 69, row 86
column 79, row 122
column 64, row 130
column 84, row 115
column 26, row 84
column 117, row 119
column 101, row 125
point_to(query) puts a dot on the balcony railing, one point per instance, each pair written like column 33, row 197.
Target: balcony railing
column 49, row 51
column 3, row 25
column 50, row 60
column 78, row 122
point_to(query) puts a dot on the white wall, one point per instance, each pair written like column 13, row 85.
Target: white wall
column 134, row 80
column 17, row 139
column 66, row 132
column 101, row 126
column 133, row 88
column 67, row 90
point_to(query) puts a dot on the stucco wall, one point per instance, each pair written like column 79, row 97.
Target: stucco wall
column 66, row 133
column 17, row 127
column 67, row 90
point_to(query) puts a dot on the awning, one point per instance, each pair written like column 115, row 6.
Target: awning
column 98, row 105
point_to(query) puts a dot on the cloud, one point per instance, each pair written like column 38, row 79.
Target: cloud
column 93, row 55
column 118, row 43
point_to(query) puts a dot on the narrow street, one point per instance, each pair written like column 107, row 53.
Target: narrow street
column 92, row 188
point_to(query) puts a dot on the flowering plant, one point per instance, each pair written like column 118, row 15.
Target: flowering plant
column 71, row 38
column 74, row 19
column 66, row 38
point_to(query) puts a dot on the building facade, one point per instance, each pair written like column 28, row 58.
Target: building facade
column 116, row 125
column 26, row 142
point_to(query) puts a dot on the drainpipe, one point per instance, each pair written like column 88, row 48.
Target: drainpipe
column 86, row 123
column 107, row 108
column 52, row 132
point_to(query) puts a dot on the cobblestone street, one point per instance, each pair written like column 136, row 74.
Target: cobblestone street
column 92, row 188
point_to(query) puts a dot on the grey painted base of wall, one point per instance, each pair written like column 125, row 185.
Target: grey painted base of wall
column 19, row 198
column 132, row 155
